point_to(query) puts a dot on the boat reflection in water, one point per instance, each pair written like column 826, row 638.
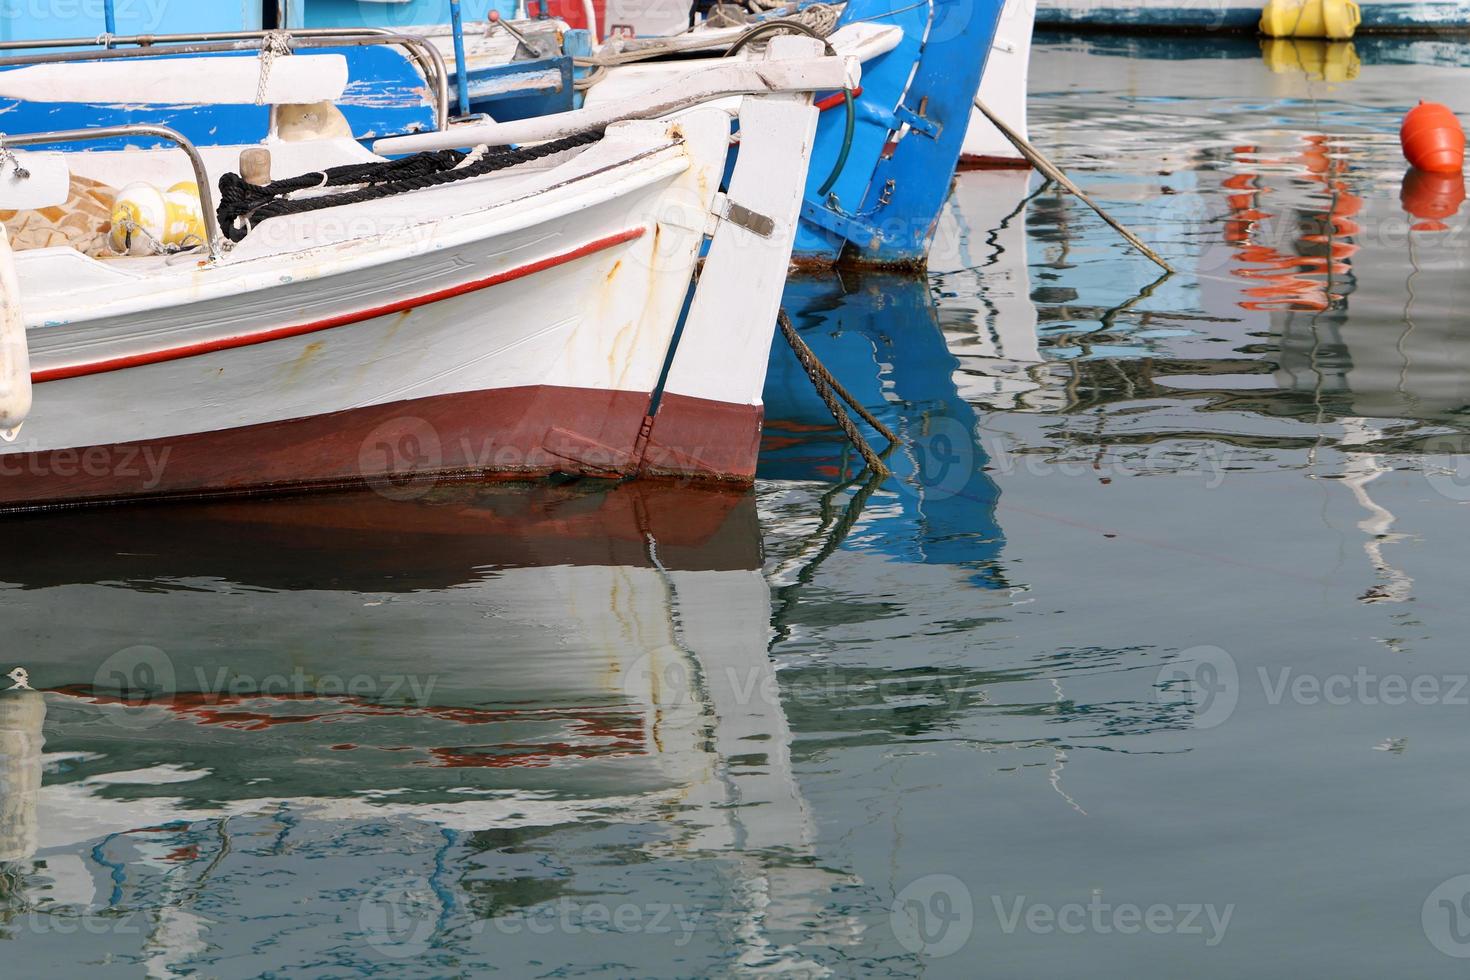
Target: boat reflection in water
column 380, row 717
column 981, row 254
column 880, row 335
column 1362, row 293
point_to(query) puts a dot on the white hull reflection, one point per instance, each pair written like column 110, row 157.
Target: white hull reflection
column 980, row 254
column 562, row 659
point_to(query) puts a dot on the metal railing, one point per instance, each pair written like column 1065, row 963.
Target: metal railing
column 420, row 49
column 201, row 175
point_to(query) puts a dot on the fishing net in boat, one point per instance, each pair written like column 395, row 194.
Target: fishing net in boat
column 243, row 205
column 81, row 223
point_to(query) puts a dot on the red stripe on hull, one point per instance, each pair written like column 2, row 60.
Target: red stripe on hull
column 345, row 319
column 704, row 440
column 398, row 449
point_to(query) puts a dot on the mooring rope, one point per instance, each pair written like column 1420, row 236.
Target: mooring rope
column 830, row 390
column 244, row 205
column 275, row 44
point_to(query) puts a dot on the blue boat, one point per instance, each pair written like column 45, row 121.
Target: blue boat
column 910, row 125
column 880, row 174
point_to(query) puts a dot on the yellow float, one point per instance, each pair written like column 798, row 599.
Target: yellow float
column 146, row 220
column 1335, row 20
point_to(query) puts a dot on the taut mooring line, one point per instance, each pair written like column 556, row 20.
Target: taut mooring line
column 1049, row 169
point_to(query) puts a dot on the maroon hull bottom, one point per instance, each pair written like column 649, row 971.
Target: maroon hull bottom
column 974, row 161
column 696, row 437
column 403, row 448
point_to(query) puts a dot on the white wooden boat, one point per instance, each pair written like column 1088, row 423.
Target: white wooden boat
column 1003, row 90
column 522, row 322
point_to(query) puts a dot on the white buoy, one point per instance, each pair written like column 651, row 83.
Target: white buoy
column 15, row 355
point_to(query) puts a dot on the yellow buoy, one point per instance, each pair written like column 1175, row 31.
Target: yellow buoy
column 1336, row 20
column 146, row 220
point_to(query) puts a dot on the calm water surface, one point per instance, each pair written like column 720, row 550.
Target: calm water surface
column 1151, row 660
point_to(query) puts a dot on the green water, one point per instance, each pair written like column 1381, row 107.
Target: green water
column 1149, row 661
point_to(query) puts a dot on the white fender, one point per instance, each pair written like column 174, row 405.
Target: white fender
column 15, row 355
column 234, row 80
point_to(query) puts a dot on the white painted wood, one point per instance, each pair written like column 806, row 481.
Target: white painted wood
column 48, row 183
column 720, row 81
column 623, row 82
column 1003, row 87
column 15, row 362
column 301, row 78
column 726, row 343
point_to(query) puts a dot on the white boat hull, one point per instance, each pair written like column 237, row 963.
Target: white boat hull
column 1003, row 90
column 516, row 325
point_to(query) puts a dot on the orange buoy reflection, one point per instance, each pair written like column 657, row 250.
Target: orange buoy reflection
column 1300, row 257
column 1432, row 197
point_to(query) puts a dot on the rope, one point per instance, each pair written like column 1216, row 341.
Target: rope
column 244, row 205
column 275, row 44
column 820, row 17
column 829, row 389
column 1050, row 170
column 726, row 15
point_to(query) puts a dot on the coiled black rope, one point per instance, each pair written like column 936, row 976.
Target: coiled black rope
column 243, row 205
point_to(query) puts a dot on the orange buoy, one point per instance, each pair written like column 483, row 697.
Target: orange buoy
column 1432, row 197
column 1432, row 139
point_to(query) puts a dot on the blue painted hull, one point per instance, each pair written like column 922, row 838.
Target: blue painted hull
column 883, row 208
